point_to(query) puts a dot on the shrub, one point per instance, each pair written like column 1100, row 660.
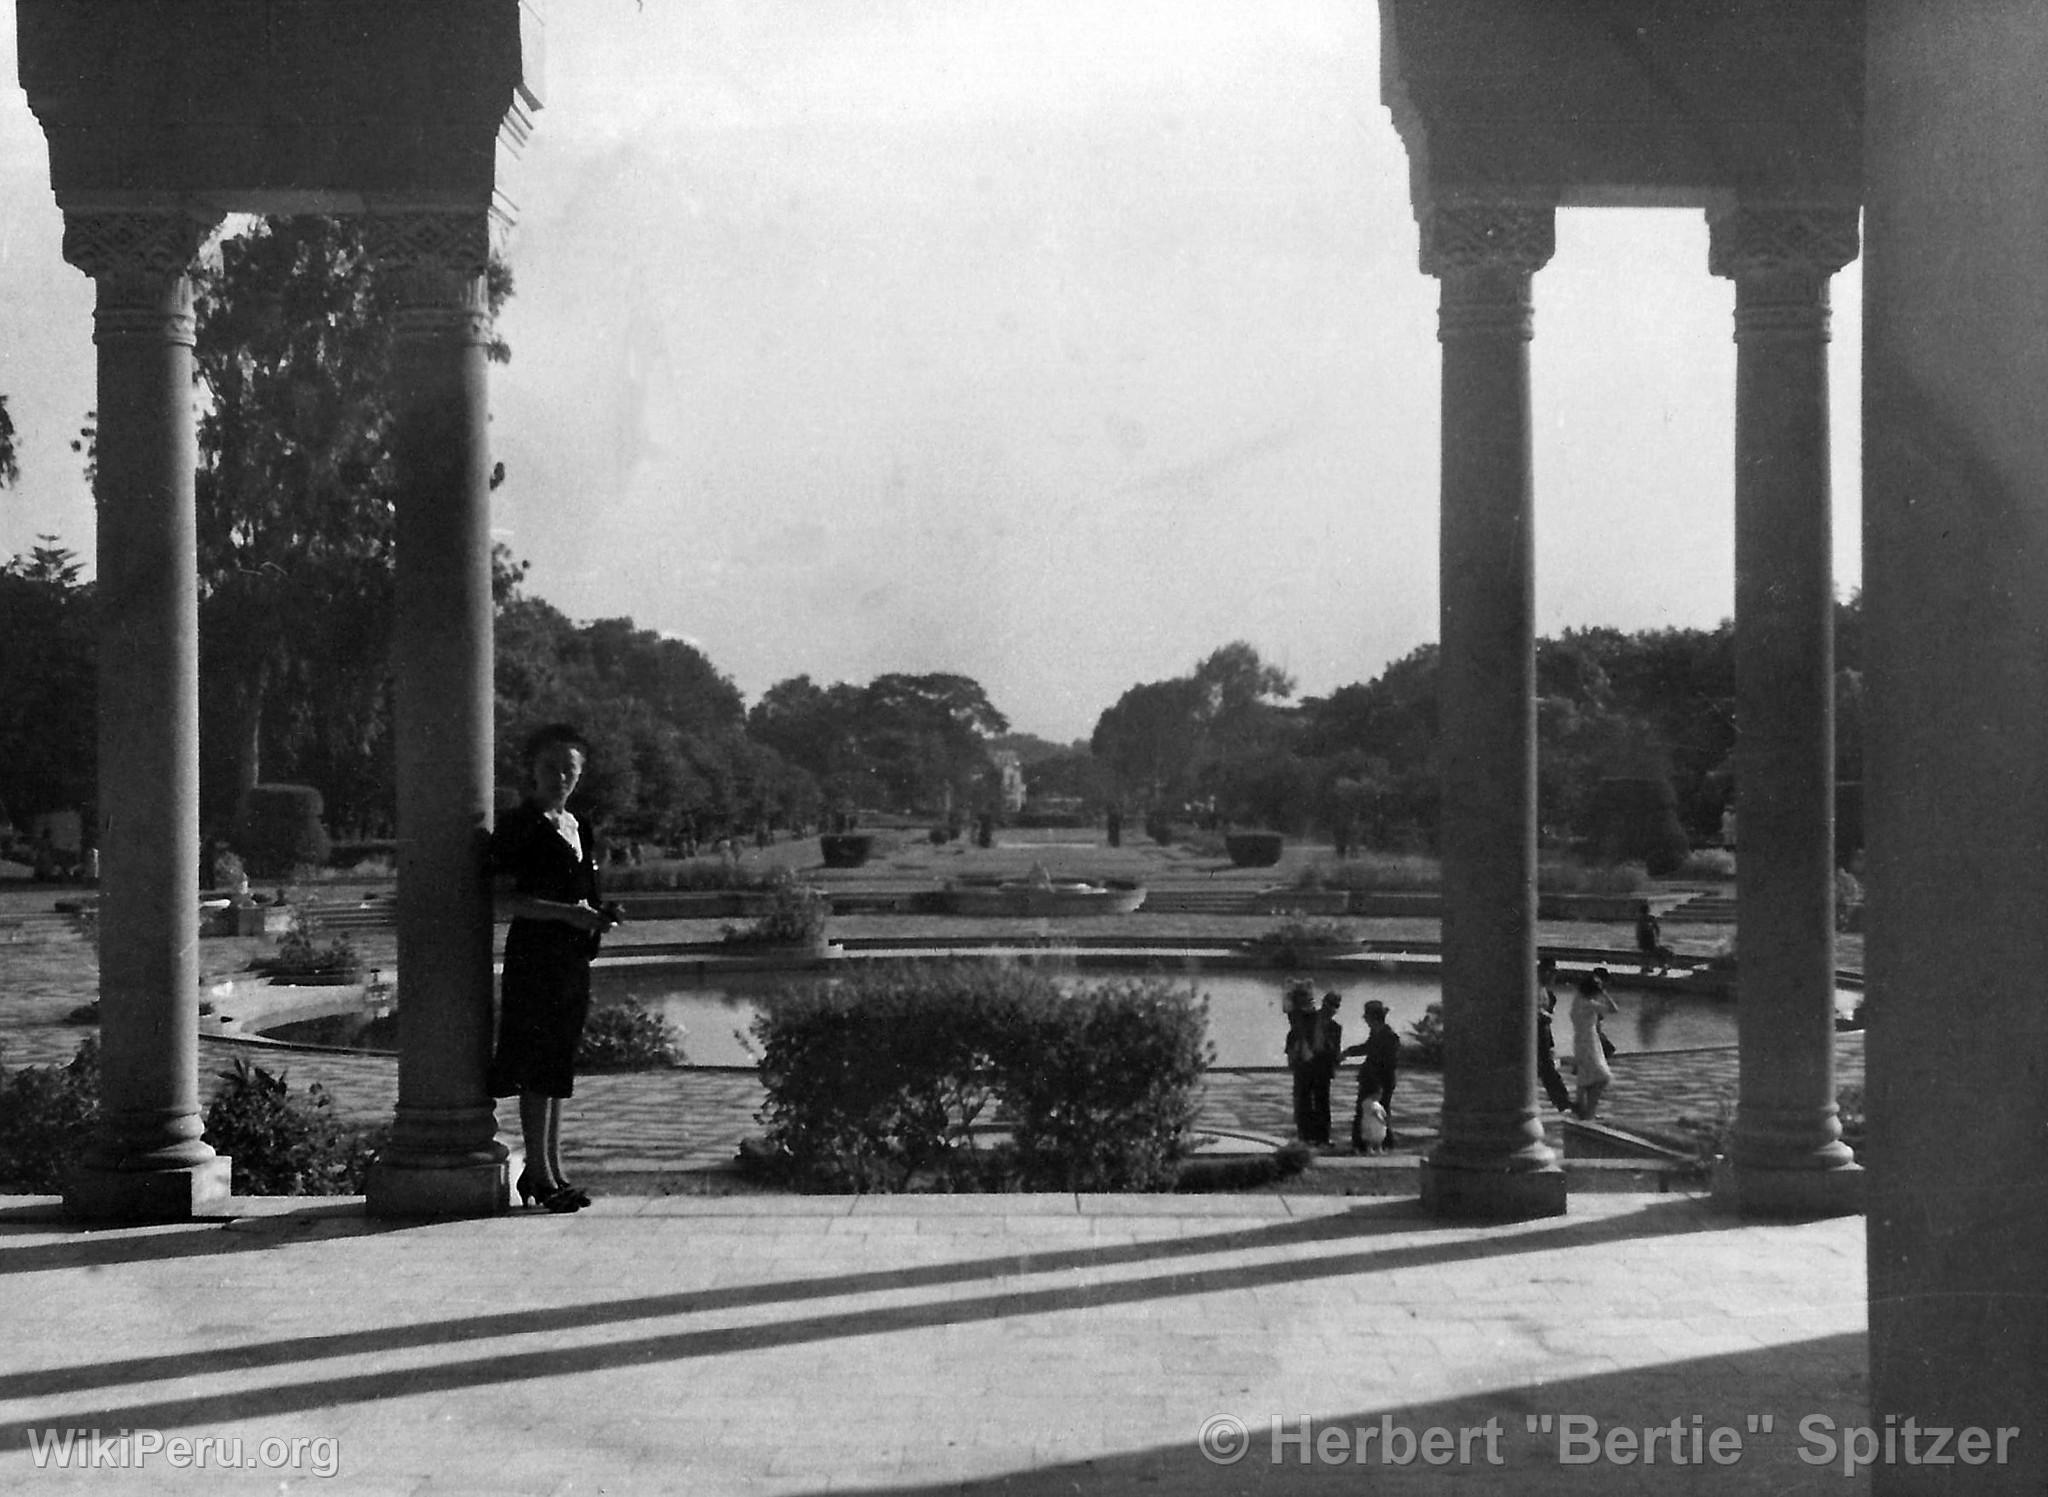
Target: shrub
column 878, row 1081
column 846, row 849
column 1636, row 820
column 1708, row 862
column 1244, row 1171
column 688, row 875
column 1102, row 1085
column 1159, row 827
column 1569, row 877
column 47, row 1115
column 279, row 830
column 629, row 1036
column 1381, row 872
column 1297, row 939
column 1425, row 1045
column 284, row 1145
column 795, row 916
column 1253, row 849
column 301, row 952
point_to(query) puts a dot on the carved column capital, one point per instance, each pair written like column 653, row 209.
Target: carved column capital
column 437, row 259
column 1485, row 255
column 1781, row 258
column 1763, row 240
column 1487, row 236
column 139, row 261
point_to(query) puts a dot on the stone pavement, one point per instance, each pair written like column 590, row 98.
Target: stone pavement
column 1033, row 1345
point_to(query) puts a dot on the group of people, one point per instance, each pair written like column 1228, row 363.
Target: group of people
column 1315, row 1049
column 1591, row 1048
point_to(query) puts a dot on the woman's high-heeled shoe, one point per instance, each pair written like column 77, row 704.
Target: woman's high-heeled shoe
column 581, row 1195
column 558, row 1198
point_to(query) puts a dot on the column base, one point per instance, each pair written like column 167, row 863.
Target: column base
column 174, row 1195
column 1788, row 1194
column 1491, row 1195
column 401, row 1190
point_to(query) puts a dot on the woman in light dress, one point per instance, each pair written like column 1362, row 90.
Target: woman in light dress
column 1589, row 1056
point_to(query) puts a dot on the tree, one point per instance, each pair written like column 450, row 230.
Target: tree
column 295, row 509
column 50, row 662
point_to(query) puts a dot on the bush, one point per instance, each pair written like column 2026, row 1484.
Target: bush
column 629, row 1036
column 1708, row 862
column 1159, row 828
column 1253, row 849
column 1378, row 872
column 1561, row 877
column 279, row 830
column 301, row 952
column 795, row 916
column 878, row 1081
column 47, row 1115
column 1636, row 820
column 846, row 849
column 687, row 875
column 1297, row 939
column 284, row 1145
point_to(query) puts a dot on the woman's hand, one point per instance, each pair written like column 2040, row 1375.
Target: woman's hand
column 585, row 916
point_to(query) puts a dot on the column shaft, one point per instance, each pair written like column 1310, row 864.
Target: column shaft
column 1491, row 1160
column 1787, row 1155
column 147, row 1161
column 444, row 1157
column 1955, row 547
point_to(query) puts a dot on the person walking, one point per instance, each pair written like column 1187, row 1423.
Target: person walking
column 1381, row 1050
column 545, row 877
column 1546, row 1037
column 1589, row 1056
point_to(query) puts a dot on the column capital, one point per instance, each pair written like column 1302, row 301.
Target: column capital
column 139, row 261
column 1487, row 236
column 437, row 258
column 1774, row 239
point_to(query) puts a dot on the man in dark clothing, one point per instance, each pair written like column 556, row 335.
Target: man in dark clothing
column 1546, row 1041
column 1382, row 1052
column 1326, row 1053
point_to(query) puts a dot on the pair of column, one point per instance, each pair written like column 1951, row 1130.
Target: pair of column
column 148, row 1161
column 1492, row 1161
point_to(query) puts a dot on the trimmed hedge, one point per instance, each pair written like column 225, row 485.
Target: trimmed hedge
column 846, row 849
column 879, row 1081
column 1253, row 849
column 278, row 830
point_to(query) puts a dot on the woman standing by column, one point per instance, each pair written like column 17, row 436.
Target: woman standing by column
column 544, row 872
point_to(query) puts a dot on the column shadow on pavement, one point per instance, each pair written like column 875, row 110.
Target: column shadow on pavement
column 1374, row 1224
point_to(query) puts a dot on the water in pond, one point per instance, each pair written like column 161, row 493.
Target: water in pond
column 1244, row 1011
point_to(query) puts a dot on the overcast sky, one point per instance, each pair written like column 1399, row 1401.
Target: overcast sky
column 1055, row 344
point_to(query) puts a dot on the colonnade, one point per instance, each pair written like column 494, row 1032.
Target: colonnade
column 1787, row 1156
column 148, row 1160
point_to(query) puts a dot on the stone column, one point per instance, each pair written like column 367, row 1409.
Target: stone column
column 1492, row 1161
column 1787, row 1157
column 1955, row 553
column 147, row 1161
column 444, row 1157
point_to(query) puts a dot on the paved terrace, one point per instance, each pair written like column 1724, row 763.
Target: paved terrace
column 1036, row 1345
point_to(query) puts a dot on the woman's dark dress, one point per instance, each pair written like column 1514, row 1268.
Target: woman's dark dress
column 547, row 964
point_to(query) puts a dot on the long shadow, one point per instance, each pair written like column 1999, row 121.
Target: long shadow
column 1822, row 1377
column 111, row 1244
column 1657, row 1220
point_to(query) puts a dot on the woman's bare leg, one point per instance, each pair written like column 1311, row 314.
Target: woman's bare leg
column 533, row 1130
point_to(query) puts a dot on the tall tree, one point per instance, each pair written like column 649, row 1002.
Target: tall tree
column 50, row 662
column 294, row 500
